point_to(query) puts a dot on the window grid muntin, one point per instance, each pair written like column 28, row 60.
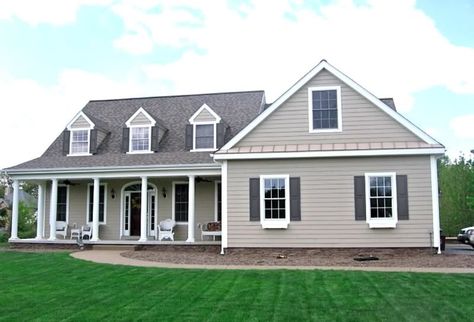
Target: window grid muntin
column 140, row 138
column 274, row 198
column 325, row 109
column 79, row 141
column 204, row 137
column 381, row 197
column 181, row 201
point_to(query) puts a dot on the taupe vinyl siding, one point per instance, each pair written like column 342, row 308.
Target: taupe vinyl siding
column 204, row 116
column 111, row 230
column 327, row 204
column 140, row 119
column 80, row 123
column 362, row 122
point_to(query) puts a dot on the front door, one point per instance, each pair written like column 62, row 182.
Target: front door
column 135, row 212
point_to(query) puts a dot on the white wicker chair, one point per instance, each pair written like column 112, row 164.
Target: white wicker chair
column 61, row 228
column 86, row 231
column 165, row 229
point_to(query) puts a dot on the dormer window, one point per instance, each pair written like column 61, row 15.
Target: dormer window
column 79, row 141
column 202, row 134
column 140, row 139
column 324, row 109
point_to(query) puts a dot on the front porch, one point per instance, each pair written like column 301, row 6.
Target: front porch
column 125, row 208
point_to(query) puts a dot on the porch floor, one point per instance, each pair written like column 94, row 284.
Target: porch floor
column 114, row 242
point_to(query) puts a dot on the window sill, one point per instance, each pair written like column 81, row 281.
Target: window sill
column 202, row 150
column 181, row 223
column 89, row 223
column 382, row 223
column 325, row 130
column 274, row 224
column 78, row 154
column 140, row 152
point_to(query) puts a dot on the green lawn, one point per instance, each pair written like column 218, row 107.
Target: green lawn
column 55, row 286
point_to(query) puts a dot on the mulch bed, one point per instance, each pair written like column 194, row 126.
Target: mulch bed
column 208, row 255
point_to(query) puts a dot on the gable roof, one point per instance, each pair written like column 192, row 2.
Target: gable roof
column 144, row 113
column 217, row 118
column 236, row 109
column 80, row 115
column 362, row 91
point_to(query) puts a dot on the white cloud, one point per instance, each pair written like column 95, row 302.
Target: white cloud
column 54, row 12
column 463, row 126
column 389, row 47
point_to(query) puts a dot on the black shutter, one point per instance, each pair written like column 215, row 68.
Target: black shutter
column 254, row 197
column 220, row 132
column 295, row 199
column 402, row 197
column 125, row 139
column 189, row 137
column 93, row 142
column 359, row 197
column 66, row 139
column 155, row 132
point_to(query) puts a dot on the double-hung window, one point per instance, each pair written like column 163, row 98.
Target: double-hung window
column 205, row 136
column 62, row 206
column 140, row 139
column 325, row 109
column 381, row 199
column 274, row 201
column 180, row 202
column 79, row 141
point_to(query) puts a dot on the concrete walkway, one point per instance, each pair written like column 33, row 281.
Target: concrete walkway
column 113, row 257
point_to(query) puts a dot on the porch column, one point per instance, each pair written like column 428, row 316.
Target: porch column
column 14, row 231
column 53, row 208
column 143, row 210
column 40, row 212
column 191, row 196
column 95, row 210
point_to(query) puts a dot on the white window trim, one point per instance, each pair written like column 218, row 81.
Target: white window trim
column 381, row 222
column 67, row 202
column 310, row 108
column 88, row 142
column 194, row 137
column 130, row 146
column 105, row 203
column 275, row 223
column 173, row 198
column 216, row 205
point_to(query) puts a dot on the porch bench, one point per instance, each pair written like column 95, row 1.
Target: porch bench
column 206, row 231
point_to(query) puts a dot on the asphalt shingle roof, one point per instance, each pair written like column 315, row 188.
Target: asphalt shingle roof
column 236, row 109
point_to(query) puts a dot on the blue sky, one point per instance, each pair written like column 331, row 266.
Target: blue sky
column 53, row 61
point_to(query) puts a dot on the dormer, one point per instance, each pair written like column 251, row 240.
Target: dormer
column 80, row 138
column 142, row 133
column 205, row 132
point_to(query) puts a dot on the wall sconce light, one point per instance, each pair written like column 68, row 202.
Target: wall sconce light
column 163, row 192
column 112, row 193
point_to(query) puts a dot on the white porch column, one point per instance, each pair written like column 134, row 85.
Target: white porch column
column 224, row 207
column 53, row 208
column 435, row 203
column 40, row 212
column 16, row 191
column 143, row 210
column 95, row 210
column 191, row 199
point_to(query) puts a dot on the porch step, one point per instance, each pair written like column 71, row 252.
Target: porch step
column 113, row 247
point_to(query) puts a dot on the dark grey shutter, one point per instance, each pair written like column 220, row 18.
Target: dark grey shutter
column 254, row 194
column 155, row 133
column 359, row 197
column 125, row 139
column 402, row 197
column 66, row 139
column 220, row 132
column 93, row 142
column 189, row 137
column 295, row 199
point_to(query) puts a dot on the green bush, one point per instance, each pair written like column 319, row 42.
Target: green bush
column 3, row 237
column 26, row 221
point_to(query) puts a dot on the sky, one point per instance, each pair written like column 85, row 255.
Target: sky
column 56, row 55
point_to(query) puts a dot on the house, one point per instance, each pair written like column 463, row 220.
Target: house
column 327, row 164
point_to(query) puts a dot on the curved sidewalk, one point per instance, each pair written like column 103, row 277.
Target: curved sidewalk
column 114, row 257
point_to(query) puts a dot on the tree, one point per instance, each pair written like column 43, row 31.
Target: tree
column 456, row 181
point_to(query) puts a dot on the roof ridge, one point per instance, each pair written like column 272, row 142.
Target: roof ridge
column 165, row 96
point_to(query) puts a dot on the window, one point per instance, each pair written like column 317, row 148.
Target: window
column 218, row 216
column 102, row 203
column 62, row 204
column 180, row 202
column 381, row 201
column 274, row 201
column 204, row 136
column 140, row 139
column 79, row 141
column 325, row 109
